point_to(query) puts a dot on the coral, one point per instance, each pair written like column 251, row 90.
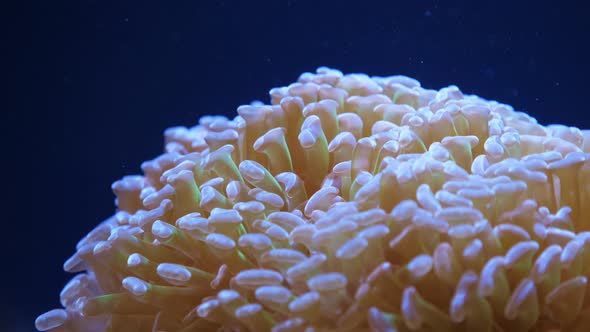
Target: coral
column 350, row 203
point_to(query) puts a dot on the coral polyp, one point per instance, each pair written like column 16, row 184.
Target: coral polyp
column 350, row 203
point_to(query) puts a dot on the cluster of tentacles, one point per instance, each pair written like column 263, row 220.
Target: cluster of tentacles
column 350, row 203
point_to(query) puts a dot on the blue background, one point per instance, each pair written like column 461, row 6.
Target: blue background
column 99, row 81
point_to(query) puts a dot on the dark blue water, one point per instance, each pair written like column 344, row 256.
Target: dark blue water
column 107, row 77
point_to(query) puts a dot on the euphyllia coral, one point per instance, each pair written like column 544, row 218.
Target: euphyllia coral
column 351, row 203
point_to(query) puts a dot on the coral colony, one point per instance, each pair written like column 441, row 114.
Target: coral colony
column 351, row 203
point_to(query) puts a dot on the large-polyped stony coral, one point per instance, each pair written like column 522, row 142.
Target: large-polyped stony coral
column 351, row 203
